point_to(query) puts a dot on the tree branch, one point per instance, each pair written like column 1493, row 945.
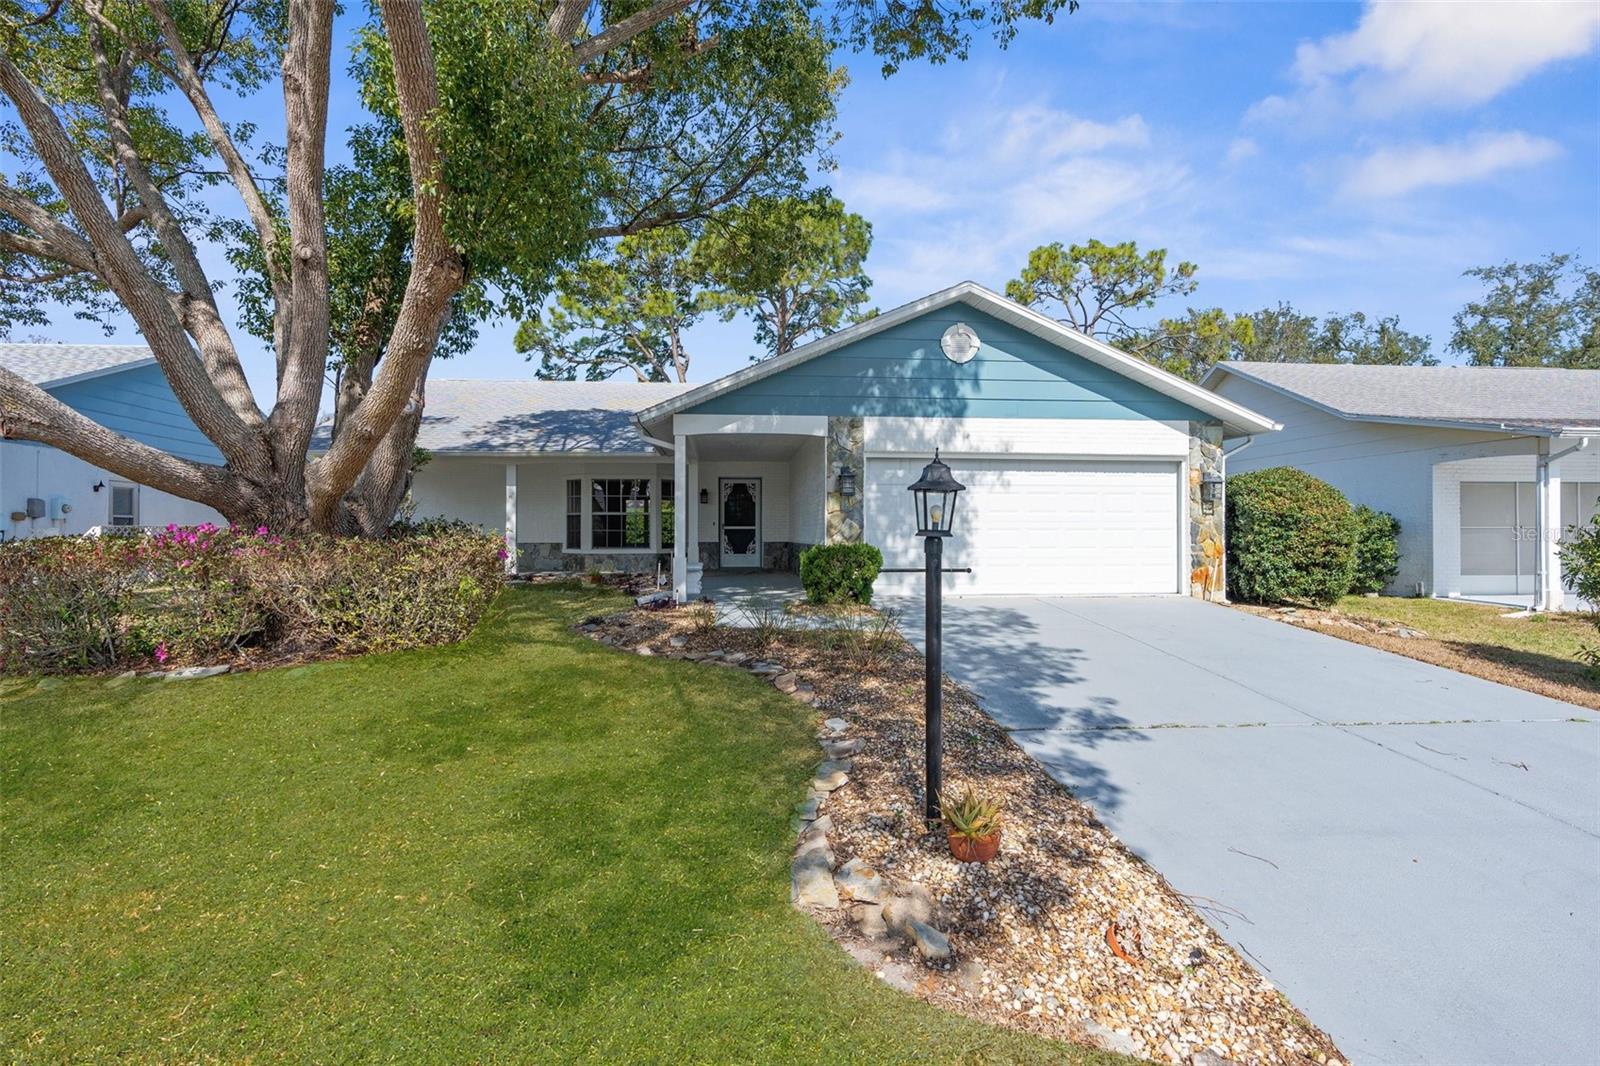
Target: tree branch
column 188, row 79
column 304, row 358
column 118, row 265
column 217, row 352
column 626, row 30
column 27, row 412
column 437, row 271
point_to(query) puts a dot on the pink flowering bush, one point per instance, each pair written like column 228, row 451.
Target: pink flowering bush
column 205, row 593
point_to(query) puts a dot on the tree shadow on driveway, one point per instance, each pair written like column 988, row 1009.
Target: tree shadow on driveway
column 1036, row 691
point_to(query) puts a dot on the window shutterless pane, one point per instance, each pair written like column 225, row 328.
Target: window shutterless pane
column 123, row 499
column 619, row 513
column 574, row 514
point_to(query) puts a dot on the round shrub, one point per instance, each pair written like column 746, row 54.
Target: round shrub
column 840, row 573
column 1291, row 537
column 1377, row 550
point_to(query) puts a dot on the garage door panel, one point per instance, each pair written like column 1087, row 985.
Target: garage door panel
column 1043, row 527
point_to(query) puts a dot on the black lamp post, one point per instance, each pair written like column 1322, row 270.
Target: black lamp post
column 935, row 497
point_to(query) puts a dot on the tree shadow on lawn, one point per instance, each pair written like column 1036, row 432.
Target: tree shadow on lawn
column 1539, row 665
column 1024, row 685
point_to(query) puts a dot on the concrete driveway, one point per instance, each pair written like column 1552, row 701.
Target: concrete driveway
column 1411, row 854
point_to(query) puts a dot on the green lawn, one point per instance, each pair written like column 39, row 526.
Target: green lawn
column 525, row 848
column 1559, row 636
column 1539, row 653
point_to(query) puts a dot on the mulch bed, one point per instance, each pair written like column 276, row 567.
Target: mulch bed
column 1029, row 931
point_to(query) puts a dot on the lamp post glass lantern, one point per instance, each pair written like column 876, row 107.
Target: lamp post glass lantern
column 934, row 495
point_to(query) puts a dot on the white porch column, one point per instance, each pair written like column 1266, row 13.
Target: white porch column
column 692, row 545
column 1547, row 592
column 511, row 518
column 680, row 518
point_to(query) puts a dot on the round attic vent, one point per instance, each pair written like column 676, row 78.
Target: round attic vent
column 960, row 343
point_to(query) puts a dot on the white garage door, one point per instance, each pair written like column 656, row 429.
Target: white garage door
column 1048, row 527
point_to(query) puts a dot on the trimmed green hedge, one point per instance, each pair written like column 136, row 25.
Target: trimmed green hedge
column 1377, row 551
column 1291, row 537
column 840, row 573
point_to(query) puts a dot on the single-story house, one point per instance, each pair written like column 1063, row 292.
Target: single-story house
column 45, row 491
column 1087, row 470
column 1485, row 467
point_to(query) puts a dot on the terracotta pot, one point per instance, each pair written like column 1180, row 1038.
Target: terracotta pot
column 967, row 849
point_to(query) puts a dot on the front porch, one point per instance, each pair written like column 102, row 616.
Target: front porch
column 748, row 496
column 1500, row 513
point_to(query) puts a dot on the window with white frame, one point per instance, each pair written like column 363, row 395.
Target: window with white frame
column 124, row 504
column 574, row 514
column 619, row 513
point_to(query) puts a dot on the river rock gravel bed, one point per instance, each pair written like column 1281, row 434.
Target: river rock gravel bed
column 1066, row 934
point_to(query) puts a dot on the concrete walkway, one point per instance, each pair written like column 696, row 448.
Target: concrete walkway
column 1411, row 854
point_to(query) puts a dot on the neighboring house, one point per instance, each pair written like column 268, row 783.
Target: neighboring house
column 1485, row 467
column 1088, row 470
column 45, row 491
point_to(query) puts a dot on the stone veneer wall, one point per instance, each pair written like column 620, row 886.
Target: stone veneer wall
column 846, row 447
column 1207, row 536
column 546, row 556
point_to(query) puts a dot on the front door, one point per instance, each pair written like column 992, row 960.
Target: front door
column 741, row 521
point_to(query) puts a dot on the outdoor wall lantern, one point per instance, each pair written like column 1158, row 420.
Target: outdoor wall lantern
column 847, row 482
column 1210, row 487
column 934, row 495
column 705, row 495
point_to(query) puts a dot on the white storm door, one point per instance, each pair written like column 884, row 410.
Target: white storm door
column 740, row 520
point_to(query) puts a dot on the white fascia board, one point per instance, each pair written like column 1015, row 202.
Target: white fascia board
column 794, row 425
column 1234, row 416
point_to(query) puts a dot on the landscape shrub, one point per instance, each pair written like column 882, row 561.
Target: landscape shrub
column 1580, row 572
column 203, row 593
column 1377, row 550
column 1291, row 538
column 840, row 573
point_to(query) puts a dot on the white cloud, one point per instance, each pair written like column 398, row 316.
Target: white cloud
column 1034, row 131
column 998, row 181
column 1407, row 55
column 1242, row 148
column 1396, row 171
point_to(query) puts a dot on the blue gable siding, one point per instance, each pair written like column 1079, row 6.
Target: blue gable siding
column 902, row 372
column 139, row 403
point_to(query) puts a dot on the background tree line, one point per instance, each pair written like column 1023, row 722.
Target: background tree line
column 796, row 266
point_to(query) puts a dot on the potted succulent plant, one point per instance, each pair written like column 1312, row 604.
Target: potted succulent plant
column 972, row 822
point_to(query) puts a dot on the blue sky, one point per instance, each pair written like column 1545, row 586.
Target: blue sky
column 1338, row 156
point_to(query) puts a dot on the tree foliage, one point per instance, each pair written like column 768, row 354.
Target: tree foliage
column 793, row 263
column 1544, row 313
column 500, row 140
column 1100, row 290
column 1283, row 335
column 626, row 311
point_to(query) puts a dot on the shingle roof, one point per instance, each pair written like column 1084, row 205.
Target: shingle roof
column 57, row 364
column 527, row 417
column 1535, row 398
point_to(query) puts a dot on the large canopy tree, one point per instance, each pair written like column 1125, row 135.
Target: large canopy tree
column 501, row 139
